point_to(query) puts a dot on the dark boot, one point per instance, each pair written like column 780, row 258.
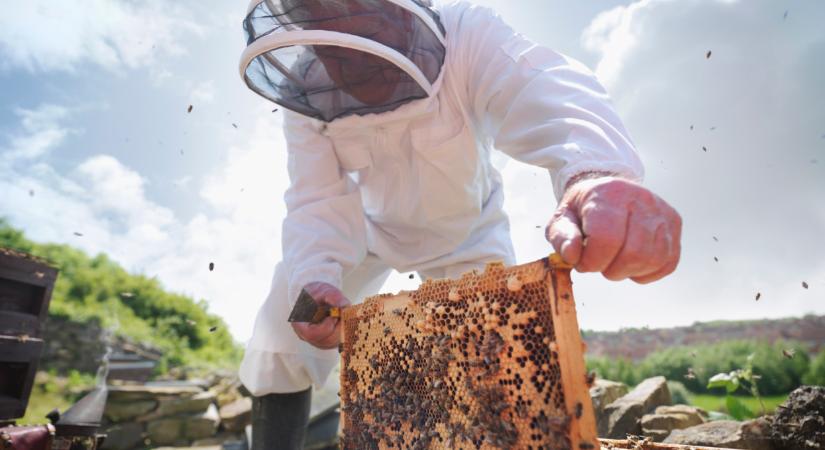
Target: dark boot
column 279, row 421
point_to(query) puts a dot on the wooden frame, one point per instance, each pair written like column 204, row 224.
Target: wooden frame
column 427, row 351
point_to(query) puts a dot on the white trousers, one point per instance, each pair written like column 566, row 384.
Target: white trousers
column 277, row 361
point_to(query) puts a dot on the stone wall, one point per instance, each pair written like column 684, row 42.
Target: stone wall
column 72, row 345
column 179, row 414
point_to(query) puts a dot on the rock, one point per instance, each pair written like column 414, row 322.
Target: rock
column 668, row 418
column 207, row 447
column 123, row 437
column 165, row 431
column 656, row 435
column 749, row 435
column 241, row 445
column 622, row 417
column 129, row 393
column 184, row 428
column 122, row 411
column 193, row 382
column 237, row 415
column 605, row 392
column 799, row 423
column 169, row 406
column 204, row 425
column 219, row 439
column 681, row 409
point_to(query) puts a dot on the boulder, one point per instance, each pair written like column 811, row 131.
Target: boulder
column 656, row 435
column 665, row 419
column 184, row 428
column 122, row 411
column 605, row 392
column 219, row 439
column 751, row 435
column 168, row 431
column 237, row 415
column 204, row 425
column 123, row 437
column 128, row 393
column 200, row 447
column 622, row 417
column 182, row 404
column 681, row 409
column 799, row 423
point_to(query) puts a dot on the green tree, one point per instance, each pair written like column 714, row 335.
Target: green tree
column 816, row 373
column 693, row 366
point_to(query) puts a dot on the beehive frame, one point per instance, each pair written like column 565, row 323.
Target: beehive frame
column 492, row 360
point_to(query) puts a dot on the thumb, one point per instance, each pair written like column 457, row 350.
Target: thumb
column 564, row 232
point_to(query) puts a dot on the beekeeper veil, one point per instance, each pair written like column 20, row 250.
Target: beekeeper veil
column 334, row 58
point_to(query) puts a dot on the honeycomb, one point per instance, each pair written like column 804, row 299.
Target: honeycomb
column 493, row 360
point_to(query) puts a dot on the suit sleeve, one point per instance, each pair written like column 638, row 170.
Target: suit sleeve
column 539, row 106
column 324, row 234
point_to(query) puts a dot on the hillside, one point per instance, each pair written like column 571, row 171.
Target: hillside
column 635, row 344
column 96, row 290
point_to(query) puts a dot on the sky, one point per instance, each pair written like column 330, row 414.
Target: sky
column 98, row 149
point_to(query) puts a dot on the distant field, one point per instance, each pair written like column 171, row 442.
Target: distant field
column 717, row 403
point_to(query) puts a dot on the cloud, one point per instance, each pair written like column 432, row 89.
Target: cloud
column 756, row 105
column 203, row 93
column 40, row 132
column 62, row 36
column 106, row 201
column 728, row 140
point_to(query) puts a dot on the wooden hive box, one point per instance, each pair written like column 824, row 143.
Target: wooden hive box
column 488, row 361
column 25, row 290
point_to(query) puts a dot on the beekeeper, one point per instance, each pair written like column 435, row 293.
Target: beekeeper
column 393, row 108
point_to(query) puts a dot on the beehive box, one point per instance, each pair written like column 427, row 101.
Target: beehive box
column 489, row 361
column 26, row 285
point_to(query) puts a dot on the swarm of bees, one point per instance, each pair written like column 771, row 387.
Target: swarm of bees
column 460, row 364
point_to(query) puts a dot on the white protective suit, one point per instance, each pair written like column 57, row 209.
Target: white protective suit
column 413, row 188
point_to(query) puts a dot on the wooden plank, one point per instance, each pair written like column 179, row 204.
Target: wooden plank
column 571, row 355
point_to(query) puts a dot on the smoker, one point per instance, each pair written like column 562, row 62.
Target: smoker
column 26, row 285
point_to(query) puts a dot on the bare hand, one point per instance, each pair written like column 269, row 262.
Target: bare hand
column 327, row 334
column 616, row 227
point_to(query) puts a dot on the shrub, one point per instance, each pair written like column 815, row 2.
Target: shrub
column 135, row 306
column 693, row 366
column 816, row 373
column 678, row 393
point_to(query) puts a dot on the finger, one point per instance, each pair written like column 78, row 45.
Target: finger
column 645, row 250
column 604, row 228
column 325, row 328
column 564, row 233
column 669, row 268
column 328, row 294
column 332, row 340
column 314, row 332
column 337, row 298
column 672, row 261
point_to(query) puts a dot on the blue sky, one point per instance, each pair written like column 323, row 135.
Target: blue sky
column 95, row 138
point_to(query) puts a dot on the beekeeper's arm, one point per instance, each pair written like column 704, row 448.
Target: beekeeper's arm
column 324, row 235
column 545, row 109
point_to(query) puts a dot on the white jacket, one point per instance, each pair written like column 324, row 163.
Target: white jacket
column 416, row 185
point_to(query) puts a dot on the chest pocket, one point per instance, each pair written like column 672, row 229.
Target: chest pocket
column 447, row 165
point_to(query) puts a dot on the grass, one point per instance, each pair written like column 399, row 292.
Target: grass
column 51, row 391
column 710, row 402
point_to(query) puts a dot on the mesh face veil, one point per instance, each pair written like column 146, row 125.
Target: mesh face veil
column 328, row 59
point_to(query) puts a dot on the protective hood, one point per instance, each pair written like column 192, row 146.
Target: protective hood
column 328, row 59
